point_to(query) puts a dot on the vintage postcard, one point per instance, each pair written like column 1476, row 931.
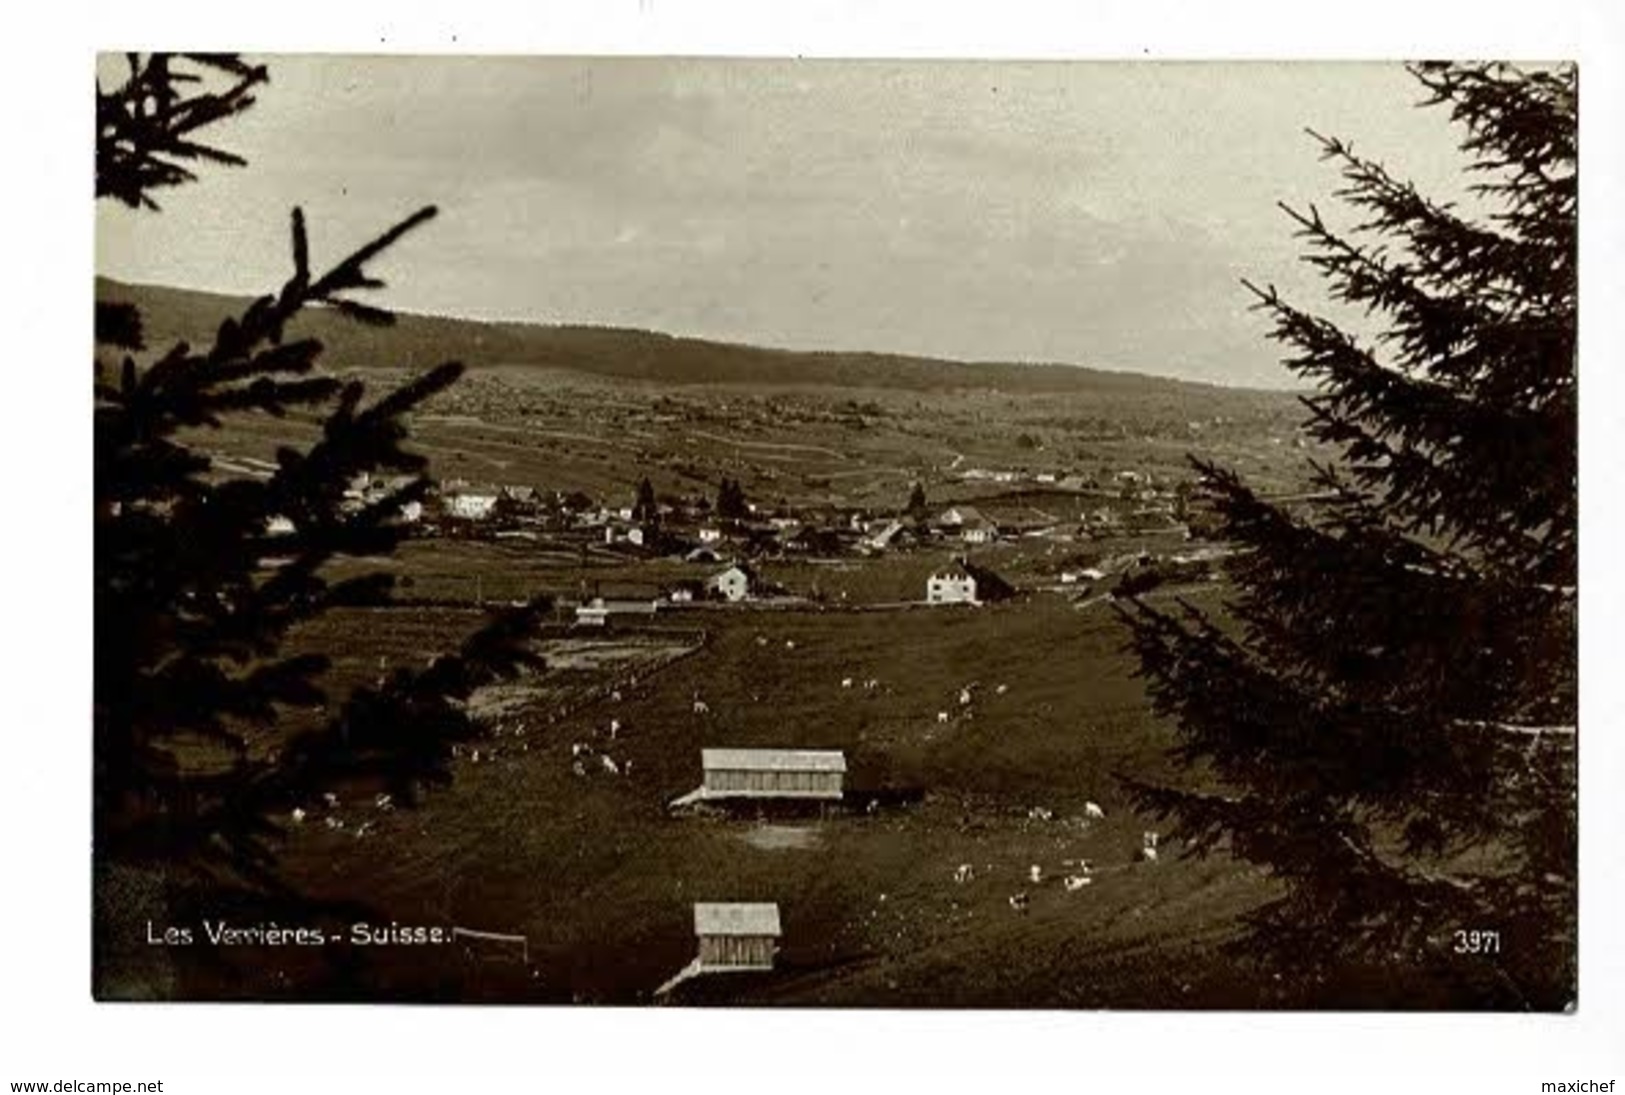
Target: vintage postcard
column 836, row 533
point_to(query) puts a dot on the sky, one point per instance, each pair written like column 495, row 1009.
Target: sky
column 1090, row 213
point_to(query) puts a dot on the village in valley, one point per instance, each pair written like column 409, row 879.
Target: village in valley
column 835, row 700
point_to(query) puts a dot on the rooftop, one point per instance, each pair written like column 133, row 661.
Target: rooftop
column 724, row 918
column 774, row 760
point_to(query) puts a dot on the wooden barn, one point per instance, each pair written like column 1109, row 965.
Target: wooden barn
column 736, row 936
column 773, row 773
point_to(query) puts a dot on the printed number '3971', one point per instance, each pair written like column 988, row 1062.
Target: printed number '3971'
column 1478, row 942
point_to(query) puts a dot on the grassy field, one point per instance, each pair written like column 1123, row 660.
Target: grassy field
column 599, row 877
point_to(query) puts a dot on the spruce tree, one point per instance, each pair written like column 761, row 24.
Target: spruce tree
column 196, row 770
column 916, row 500
column 645, row 510
column 731, row 505
column 1384, row 713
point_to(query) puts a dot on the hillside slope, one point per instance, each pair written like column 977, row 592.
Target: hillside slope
column 417, row 341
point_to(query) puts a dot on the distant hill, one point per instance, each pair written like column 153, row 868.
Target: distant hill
column 418, row 341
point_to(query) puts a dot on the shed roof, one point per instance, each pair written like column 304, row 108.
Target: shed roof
column 727, row 918
column 774, row 760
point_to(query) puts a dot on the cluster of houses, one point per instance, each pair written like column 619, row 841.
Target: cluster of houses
column 694, row 530
column 961, row 582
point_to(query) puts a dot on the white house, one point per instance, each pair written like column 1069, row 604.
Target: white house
column 596, row 612
column 471, row 505
column 950, row 587
column 983, row 533
column 881, row 538
column 971, row 524
column 966, row 583
column 734, row 584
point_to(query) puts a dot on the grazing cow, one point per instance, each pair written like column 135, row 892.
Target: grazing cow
column 578, row 768
column 701, row 707
column 1018, row 901
column 1002, row 689
column 1074, row 882
column 298, row 815
column 942, row 716
column 474, row 756
column 789, row 644
column 615, row 696
column 609, row 765
column 964, row 697
column 579, row 748
column 846, row 682
column 1090, row 810
column 761, row 640
column 384, row 801
column 1149, row 838
column 331, row 799
column 335, row 823
column 361, row 830
column 871, row 684
column 1035, row 873
column 1148, row 855
column 964, row 873
column 1041, row 813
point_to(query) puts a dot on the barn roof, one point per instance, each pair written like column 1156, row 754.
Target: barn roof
column 727, row 918
column 774, row 760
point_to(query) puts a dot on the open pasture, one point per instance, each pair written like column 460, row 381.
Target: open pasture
column 598, row 875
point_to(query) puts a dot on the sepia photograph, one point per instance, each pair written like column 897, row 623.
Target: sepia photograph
column 836, row 533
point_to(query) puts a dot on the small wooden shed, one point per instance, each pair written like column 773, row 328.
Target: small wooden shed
column 773, row 773
column 736, row 936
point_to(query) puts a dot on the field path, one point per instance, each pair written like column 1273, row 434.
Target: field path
column 781, row 445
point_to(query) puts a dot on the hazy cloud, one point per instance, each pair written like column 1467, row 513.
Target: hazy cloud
column 1092, row 213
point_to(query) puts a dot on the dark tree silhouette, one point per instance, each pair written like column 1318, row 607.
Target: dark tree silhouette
column 206, row 733
column 646, row 510
column 916, row 500
column 145, row 127
column 1385, row 714
column 731, row 505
